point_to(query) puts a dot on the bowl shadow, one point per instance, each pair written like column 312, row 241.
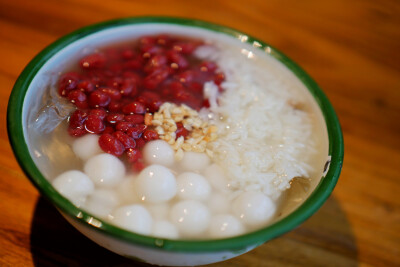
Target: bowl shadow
column 326, row 239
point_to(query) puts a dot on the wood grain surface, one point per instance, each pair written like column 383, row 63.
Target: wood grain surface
column 352, row 50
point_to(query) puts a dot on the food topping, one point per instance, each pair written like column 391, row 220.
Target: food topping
column 182, row 127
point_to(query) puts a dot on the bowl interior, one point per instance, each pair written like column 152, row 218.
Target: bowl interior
column 40, row 157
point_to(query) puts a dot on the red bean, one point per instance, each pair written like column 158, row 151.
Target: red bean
column 68, row 81
column 135, row 118
column 113, row 93
column 124, row 126
column 181, row 131
column 133, row 155
column 108, row 130
column 136, row 131
column 111, row 145
column 134, row 108
column 93, row 61
column 115, row 106
column 99, row 99
column 100, row 112
column 76, row 132
column 208, row 66
column 177, row 58
column 76, row 95
column 149, row 135
column 155, row 78
column 94, row 124
column 185, row 47
column 140, row 142
column 77, row 119
column 127, row 141
column 86, row 86
column 115, row 118
column 138, row 166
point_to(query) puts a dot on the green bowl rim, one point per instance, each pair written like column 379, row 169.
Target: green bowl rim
column 309, row 207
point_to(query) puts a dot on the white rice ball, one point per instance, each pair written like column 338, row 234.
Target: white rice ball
column 165, row 229
column 194, row 161
column 218, row 203
column 192, row 186
column 74, row 185
column 225, row 225
column 191, row 217
column 158, row 152
column 86, row 146
column 134, row 218
column 101, row 202
column 216, row 177
column 158, row 211
column 126, row 190
column 156, row 184
column 253, row 208
column 105, row 170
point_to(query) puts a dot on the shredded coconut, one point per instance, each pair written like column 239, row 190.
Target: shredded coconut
column 263, row 141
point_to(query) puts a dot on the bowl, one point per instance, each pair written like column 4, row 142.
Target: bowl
column 26, row 98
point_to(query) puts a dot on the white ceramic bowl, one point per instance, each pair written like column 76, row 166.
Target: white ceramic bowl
column 26, row 99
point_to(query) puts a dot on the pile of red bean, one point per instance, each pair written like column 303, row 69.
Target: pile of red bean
column 115, row 88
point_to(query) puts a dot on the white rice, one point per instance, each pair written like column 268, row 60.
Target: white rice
column 263, row 141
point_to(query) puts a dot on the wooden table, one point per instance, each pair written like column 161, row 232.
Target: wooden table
column 351, row 48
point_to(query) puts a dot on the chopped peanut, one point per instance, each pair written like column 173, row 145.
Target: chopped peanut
column 200, row 132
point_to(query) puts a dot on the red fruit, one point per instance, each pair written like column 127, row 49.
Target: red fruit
column 136, row 131
column 127, row 141
column 68, row 81
column 86, row 86
column 94, row 124
column 149, row 135
column 77, row 119
column 99, row 99
column 135, row 118
column 100, row 112
column 113, row 93
column 93, row 61
column 152, row 80
column 76, row 95
column 134, row 108
column 111, row 145
column 133, row 155
column 115, row 118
